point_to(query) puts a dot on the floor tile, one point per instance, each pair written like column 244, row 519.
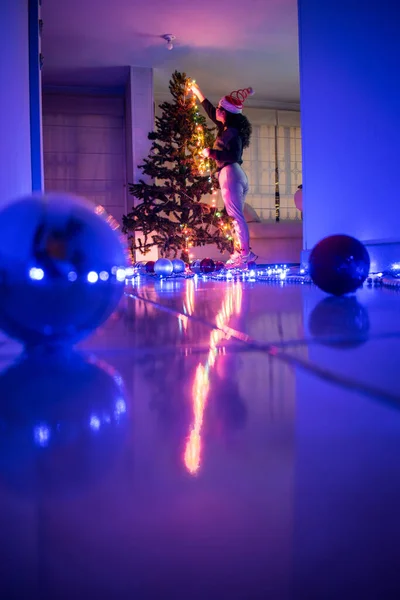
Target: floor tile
column 170, row 457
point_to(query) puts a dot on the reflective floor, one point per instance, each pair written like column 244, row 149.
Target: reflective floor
column 212, row 440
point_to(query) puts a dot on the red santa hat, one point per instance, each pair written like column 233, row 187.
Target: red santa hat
column 234, row 102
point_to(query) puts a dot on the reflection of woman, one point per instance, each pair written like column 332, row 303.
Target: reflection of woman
column 54, row 248
column 234, row 132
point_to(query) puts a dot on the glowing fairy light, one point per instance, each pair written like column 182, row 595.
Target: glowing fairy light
column 92, row 277
column 120, row 274
column 36, row 274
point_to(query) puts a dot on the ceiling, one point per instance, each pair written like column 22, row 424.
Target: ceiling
column 223, row 44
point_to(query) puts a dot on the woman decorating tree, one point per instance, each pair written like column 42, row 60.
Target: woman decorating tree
column 234, row 132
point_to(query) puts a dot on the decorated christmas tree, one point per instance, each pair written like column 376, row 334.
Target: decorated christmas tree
column 168, row 211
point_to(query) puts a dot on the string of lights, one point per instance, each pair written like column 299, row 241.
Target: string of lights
column 276, row 274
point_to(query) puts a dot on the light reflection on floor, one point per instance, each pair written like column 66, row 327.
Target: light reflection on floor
column 176, row 459
column 232, row 303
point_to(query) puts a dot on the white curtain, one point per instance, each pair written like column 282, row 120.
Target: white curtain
column 276, row 142
column 289, row 161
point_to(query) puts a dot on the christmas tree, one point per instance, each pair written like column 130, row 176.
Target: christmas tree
column 169, row 212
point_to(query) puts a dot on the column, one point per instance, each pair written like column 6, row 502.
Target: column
column 350, row 122
column 139, row 122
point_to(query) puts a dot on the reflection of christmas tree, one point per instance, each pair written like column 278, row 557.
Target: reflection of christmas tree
column 170, row 213
column 232, row 303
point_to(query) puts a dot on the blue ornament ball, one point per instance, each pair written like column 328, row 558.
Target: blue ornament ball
column 339, row 264
column 195, row 266
column 62, row 268
column 163, row 267
column 178, row 265
column 140, row 267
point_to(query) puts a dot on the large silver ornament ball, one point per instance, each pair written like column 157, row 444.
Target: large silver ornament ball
column 178, row 265
column 62, row 268
column 163, row 267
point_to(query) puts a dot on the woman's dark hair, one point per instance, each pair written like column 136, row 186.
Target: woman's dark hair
column 242, row 124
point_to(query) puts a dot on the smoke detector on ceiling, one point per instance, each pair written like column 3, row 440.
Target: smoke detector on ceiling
column 169, row 38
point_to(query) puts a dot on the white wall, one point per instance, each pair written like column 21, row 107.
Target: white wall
column 84, row 148
column 349, row 60
column 15, row 146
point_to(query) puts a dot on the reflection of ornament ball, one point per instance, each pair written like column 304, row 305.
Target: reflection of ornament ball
column 62, row 268
column 195, row 266
column 339, row 264
column 61, row 411
column 178, row 265
column 141, row 266
column 207, row 265
column 163, row 267
column 340, row 322
column 252, row 265
column 219, row 265
column 150, row 266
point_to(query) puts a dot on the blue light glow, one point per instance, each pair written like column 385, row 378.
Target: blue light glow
column 94, row 423
column 118, row 380
column 120, row 406
column 92, row 277
column 120, row 274
column 36, row 274
column 41, row 435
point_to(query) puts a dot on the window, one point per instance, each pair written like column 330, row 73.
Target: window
column 273, row 164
